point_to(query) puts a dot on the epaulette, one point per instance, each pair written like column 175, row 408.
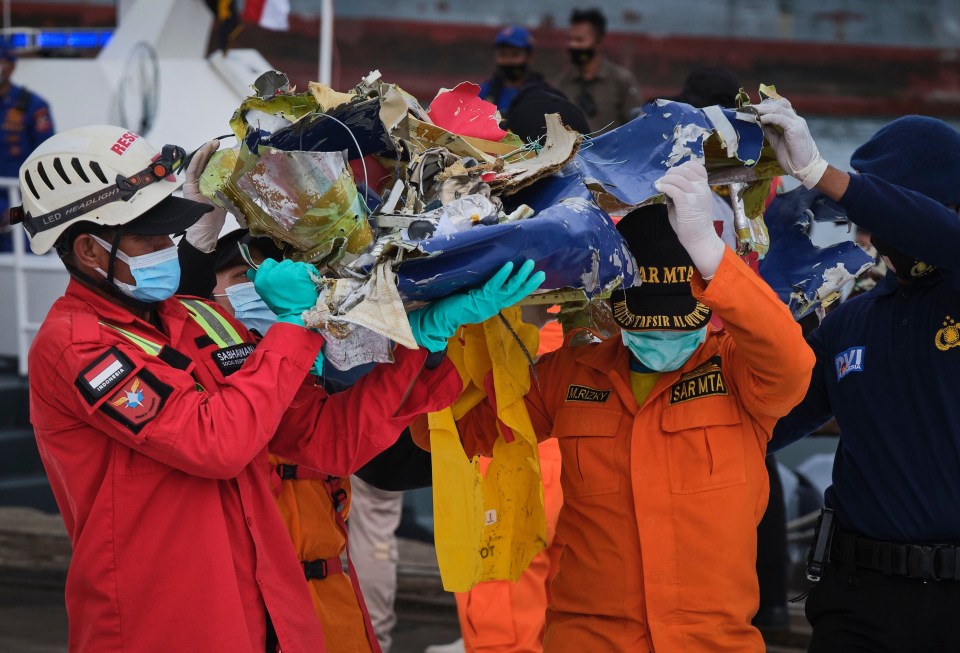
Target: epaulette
column 86, row 327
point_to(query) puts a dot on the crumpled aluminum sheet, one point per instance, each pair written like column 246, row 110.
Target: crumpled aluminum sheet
column 620, row 167
column 803, row 275
column 574, row 242
column 306, row 199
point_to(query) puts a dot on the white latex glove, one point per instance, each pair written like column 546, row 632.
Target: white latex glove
column 205, row 232
column 797, row 153
column 690, row 208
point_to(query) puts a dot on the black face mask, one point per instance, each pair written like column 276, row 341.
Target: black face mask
column 907, row 268
column 513, row 72
column 581, row 56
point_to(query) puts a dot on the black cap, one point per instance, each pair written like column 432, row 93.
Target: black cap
column 705, row 87
column 663, row 302
column 526, row 116
column 228, row 247
column 171, row 216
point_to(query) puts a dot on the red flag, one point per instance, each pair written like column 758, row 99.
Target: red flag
column 270, row 14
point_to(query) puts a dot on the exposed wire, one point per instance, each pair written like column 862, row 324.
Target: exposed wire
column 366, row 180
column 523, row 348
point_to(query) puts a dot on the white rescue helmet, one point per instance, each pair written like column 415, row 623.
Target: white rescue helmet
column 104, row 175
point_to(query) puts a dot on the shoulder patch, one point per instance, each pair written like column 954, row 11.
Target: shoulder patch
column 41, row 120
column 103, row 375
column 587, row 394
column 137, row 401
column 704, row 381
column 849, row 361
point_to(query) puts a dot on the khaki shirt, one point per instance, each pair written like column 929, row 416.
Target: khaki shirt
column 614, row 90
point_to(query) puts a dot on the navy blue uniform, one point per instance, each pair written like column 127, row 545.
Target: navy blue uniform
column 26, row 124
column 503, row 96
column 887, row 364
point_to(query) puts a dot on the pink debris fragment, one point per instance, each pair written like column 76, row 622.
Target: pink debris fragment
column 461, row 111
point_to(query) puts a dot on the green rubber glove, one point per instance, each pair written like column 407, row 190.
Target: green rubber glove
column 286, row 287
column 433, row 325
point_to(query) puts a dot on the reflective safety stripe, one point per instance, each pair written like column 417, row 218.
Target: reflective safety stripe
column 150, row 348
column 213, row 324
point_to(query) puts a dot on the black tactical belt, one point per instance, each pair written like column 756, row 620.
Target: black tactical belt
column 920, row 561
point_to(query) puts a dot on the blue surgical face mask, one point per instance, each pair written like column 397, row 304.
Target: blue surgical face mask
column 156, row 275
column 249, row 308
column 663, row 351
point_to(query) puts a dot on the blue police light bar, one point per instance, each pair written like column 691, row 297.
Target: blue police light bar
column 32, row 39
column 83, row 40
column 52, row 40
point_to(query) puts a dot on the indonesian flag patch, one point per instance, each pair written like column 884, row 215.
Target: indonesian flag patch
column 115, row 386
column 104, row 375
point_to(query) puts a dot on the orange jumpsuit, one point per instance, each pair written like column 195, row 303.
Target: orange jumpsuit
column 662, row 501
column 305, row 500
column 500, row 615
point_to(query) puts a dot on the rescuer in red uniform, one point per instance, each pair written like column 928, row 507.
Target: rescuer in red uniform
column 153, row 412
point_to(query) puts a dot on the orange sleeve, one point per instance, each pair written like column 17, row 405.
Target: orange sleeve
column 771, row 360
column 551, row 337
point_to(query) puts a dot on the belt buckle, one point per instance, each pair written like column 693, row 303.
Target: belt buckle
column 921, row 561
column 310, row 569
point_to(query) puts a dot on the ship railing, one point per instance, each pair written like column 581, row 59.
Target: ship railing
column 22, row 262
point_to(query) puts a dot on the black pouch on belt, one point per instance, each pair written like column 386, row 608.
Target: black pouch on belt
column 819, row 554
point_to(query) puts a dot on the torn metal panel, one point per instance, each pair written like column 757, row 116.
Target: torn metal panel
column 306, row 199
column 738, row 137
column 462, row 111
column 574, row 243
column 289, row 107
column 620, row 167
column 318, row 133
column 327, row 98
column 424, row 172
column 559, row 147
column 802, row 274
column 566, row 183
column 424, row 136
column 395, row 105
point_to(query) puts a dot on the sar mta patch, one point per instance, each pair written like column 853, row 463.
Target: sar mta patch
column 704, row 381
column 849, row 361
column 137, row 401
column 103, row 375
column 588, row 394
